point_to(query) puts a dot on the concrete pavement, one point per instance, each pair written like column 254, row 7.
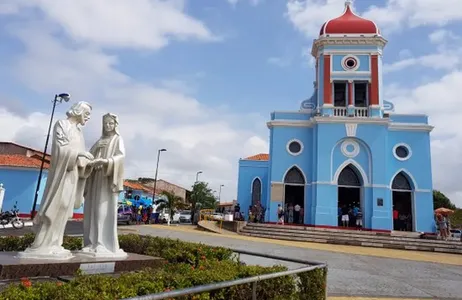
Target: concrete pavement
column 353, row 271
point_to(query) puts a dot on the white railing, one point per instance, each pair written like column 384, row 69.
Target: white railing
column 361, row 112
column 340, row 111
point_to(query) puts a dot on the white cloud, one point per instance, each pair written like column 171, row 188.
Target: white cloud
column 118, row 23
column 279, row 61
column 442, row 36
column 252, row 2
column 436, row 61
column 447, row 56
column 440, row 100
column 415, row 13
column 308, row 15
column 197, row 137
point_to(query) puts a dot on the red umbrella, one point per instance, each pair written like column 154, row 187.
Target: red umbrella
column 444, row 211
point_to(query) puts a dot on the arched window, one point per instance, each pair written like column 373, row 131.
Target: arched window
column 294, row 176
column 256, row 191
column 349, row 177
column 400, row 182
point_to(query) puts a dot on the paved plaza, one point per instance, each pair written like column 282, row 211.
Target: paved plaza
column 374, row 273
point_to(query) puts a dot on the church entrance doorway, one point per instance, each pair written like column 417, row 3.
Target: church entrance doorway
column 349, row 198
column 294, row 196
column 402, row 193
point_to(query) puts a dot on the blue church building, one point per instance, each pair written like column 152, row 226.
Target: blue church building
column 345, row 146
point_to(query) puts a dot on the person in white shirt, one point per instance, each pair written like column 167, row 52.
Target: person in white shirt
column 280, row 215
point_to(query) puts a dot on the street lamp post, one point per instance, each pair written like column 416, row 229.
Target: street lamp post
column 197, row 175
column 58, row 99
column 157, row 169
column 219, row 193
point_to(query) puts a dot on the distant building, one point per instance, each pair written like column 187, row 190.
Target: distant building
column 163, row 185
column 345, row 147
column 19, row 170
column 227, row 206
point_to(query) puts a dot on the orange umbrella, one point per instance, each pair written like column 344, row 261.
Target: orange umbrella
column 444, row 211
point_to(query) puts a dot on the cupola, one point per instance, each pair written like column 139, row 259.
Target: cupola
column 349, row 23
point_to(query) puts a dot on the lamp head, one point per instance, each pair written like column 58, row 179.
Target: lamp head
column 199, row 172
column 65, row 96
column 162, row 150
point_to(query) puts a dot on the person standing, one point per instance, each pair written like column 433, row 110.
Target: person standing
column 280, row 213
column 359, row 219
column 297, row 213
column 345, row 216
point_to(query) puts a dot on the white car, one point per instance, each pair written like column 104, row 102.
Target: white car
column 164, row 216
column 217, row 216
column 185, row 216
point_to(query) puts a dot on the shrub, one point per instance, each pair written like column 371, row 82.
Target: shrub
column 189, row 264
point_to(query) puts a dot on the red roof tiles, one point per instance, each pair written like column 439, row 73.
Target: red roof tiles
column 21, row 161
column 260, row 156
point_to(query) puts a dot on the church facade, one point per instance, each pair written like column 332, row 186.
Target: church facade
column 345, row 146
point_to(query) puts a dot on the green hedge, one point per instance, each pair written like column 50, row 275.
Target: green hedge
column 188, row 264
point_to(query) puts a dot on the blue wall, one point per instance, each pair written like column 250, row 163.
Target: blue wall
column 248, row 172
column 364, row 63
column 322, row 158
column 20, row 184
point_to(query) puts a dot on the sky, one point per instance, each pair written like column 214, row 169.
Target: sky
column 200, row 77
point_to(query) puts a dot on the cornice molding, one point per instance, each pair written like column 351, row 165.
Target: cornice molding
column 347, row 41
column 350, row 120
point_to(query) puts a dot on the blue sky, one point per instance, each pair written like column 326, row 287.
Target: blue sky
column 201, row 77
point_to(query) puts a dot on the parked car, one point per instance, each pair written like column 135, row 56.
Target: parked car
column 456, row 234
column 217, row 216
column 164, row 216
column 185, row 216
column 124, row 215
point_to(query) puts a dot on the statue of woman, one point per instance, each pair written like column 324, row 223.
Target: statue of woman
column 65, row 185
column 102, row 192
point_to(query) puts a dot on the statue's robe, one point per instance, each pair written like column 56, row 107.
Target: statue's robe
column 101, row 198
column 64, row 188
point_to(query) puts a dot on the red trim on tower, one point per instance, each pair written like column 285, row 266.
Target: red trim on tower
column 326, row 79
column 374, row 92
column 350, row 93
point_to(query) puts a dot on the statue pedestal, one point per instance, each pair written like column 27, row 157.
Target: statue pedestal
column 14, row 267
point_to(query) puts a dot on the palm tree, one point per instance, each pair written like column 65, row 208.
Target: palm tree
column 172, row 204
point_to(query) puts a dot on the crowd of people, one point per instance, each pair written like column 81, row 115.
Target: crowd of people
column 350, row 216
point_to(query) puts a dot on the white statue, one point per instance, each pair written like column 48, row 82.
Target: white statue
column 65, row 185
column 102, row 192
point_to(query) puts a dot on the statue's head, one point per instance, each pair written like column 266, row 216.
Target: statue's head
column 80, row 111
column 110, row 124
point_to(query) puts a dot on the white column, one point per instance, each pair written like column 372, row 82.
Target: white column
column 2, row 194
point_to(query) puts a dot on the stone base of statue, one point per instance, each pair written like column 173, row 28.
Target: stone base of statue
column 12, row 266
column 101, row 252
column 56, row 253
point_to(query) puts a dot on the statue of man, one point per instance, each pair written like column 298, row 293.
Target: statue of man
column 64, row 187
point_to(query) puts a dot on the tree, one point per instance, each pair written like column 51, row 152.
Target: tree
column 172, row 204
column 202, row 198
column 440, row 200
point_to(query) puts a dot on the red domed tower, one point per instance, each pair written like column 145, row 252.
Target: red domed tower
column 348, row 56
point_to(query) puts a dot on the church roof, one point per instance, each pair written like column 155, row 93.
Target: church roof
column 21, row 161
column 260, row 156
column 349, row 23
